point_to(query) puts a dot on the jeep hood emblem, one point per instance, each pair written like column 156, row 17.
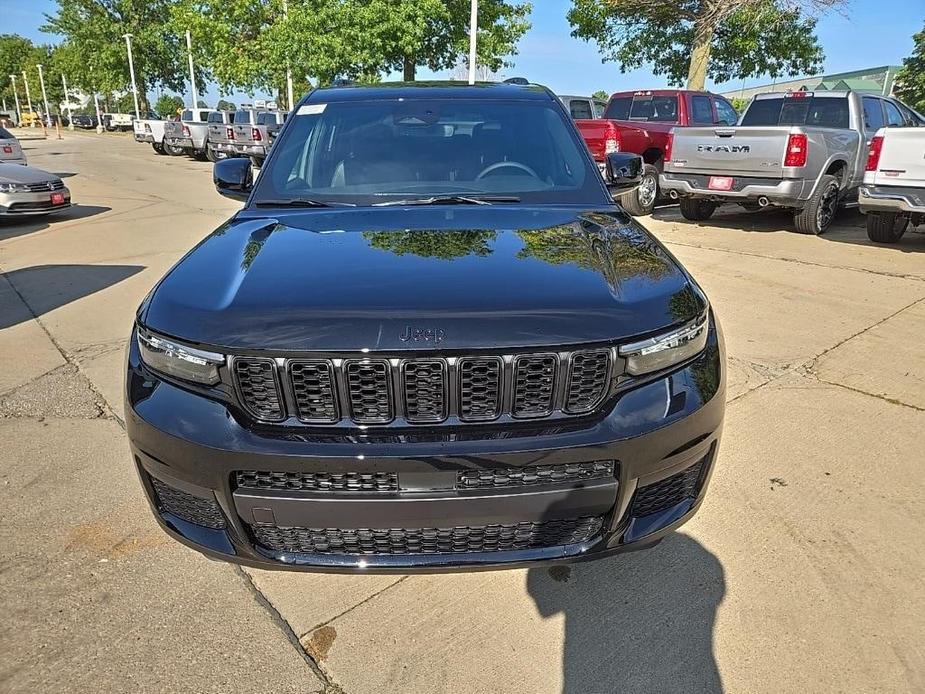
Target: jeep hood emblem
column 432, row 335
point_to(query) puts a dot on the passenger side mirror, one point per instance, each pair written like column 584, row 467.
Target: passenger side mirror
column 233, row 177
column 622, row 172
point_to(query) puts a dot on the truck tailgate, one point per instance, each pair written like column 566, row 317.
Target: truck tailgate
column 901, row 161
column 173, row 129
column 752, row 151
column 242, row 134
column 594, row 133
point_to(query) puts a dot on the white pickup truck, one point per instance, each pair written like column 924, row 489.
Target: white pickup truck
column 893, row 193
column 150, row 130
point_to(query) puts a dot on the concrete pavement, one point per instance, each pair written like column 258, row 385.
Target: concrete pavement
column 803, row 572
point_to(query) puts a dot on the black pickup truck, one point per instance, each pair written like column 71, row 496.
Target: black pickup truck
column 430, row 341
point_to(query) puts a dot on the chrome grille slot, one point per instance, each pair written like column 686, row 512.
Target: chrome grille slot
column 587, row 382
column 313, row 390
column 479, row 388
column 369, row 391
column 424, row 384
column 534, row 385
column 255, row 380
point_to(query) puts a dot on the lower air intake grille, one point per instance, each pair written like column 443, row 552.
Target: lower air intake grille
column 256, row 382
column 459, row 540
column 319, row 481
column 536, row 474
column 193, row 509
column 668, row 492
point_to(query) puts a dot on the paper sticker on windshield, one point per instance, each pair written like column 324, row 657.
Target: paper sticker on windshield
column 311, row 109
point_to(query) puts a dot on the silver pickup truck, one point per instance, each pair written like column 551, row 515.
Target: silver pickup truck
column 254, row 140
column 189, row 135
column 223, row 138
column 893, row 193
column 803, row 151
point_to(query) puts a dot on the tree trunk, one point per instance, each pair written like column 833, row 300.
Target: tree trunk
column 700, row 51
column 409, row 68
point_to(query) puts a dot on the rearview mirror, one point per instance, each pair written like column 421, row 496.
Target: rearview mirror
column 622, row 172
column 233, row 177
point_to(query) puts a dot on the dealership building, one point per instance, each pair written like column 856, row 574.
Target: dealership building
column 874, row 80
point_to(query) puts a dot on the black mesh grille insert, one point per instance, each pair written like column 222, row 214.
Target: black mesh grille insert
column 319, row 481
column 479, row 388
column 668, row 492
column 256, row 381
column 534, row 474
column 458, row 540
column 187, row 506
column 534, row 385
column 587, row 380
column 314, row 391
column 370, row 391
column 425, row 391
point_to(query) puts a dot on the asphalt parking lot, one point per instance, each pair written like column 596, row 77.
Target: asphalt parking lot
column 804, row 572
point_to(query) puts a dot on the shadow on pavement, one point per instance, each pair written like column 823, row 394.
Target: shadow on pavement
column 47, row 287
column 10, row 228
column 640, row 622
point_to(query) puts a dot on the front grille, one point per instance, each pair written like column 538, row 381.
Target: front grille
column 190, row 508
column 319, row 481
column 425, row 390
column 458, row 540
column 534, row 474
column 45, row 186
column 662, row 495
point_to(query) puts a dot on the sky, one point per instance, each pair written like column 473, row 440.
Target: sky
column 869, row 33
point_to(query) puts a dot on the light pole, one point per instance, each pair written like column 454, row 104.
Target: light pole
column 192, row 74
column 25, row 81
column 288, row 69
column 99, row 116
column 16, row 97
column 44, row 95
column 67, row 104
column 473, row 31
column 131, row 70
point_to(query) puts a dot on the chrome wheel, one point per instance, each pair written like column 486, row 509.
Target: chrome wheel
column 648, row 189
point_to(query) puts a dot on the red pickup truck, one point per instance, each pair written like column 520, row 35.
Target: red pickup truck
column 641, row 122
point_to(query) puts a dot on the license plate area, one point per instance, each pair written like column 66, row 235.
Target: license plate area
column 720, row 183
column 57, row 198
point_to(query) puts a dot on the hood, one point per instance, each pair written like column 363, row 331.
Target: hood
column 15, row 173
column 422, row 277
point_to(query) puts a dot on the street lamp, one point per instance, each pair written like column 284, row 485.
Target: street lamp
column 67, row 104
column 131, row 69
column 44, row 95
column 16, row 97
column 192, row 73
column 473, row 31
column 28, row 100
column 288, row 68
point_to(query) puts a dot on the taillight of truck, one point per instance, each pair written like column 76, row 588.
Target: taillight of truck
column 669, row 143
column 873, row 156
column 186, row 132
column 255, row 135
column 611, row 139
column 797, row 149
column 229, row 133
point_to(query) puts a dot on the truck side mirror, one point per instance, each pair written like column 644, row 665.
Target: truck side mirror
column 622, row 172
column 233, row 177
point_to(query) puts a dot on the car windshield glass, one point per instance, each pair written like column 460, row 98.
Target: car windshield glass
column 6, row 135
column 657, row 109
column 827, row 112
column 367, row 152
column 241, row 117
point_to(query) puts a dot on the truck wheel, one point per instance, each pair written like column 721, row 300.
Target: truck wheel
column 820, row 209
column 174, row 151
column 200, row 155
column 211, row 155
column 640, row 201
column 886, row 227
column 158, row 149
column 696, row 209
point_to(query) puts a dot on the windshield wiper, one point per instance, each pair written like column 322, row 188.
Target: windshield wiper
column 450, row 200
column 301, row 202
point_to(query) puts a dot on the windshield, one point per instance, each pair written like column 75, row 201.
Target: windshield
column 826, row 112
column 241, row 117
column 365, row 152
column 658, row 109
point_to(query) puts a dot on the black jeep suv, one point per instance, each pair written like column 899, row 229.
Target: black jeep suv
column 429, row 341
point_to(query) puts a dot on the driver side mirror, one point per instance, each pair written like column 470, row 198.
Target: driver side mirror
column 622, row 172
column 233, row 178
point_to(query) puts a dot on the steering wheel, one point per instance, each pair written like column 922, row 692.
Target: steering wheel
column 506, row 164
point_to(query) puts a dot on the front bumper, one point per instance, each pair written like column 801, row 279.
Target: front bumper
column 26, row 204
column 188, row 448
column 784, row 192
column 891, row 199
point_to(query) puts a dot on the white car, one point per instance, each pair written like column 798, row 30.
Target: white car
column 10, row 150
column 25, row 190
column 893, row 192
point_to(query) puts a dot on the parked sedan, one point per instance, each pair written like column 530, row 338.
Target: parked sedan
column 25, row 190
column 85, row 120
column 10, row 150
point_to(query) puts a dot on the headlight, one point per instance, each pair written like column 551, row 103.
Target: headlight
column 13, row 188
column 180, row 361
column 663, row 351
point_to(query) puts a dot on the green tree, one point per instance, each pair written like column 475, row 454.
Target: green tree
column 739, row 104
column 168, row 104
column 16, row 54
column 445, row 245
column 601, row 94
column 93, row 51
column 690, row 40
column 910, row 81
column 225, row 105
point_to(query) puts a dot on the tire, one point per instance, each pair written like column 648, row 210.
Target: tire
column 174, row 151
column 200, row 155
column 697, row 209
column 158, row 149
column 886, row 227
column 640, row 201
column 820, row 210
column 211, row 155
column 750, row 206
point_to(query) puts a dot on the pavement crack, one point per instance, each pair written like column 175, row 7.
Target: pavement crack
column 885, row 398
column 353, row 607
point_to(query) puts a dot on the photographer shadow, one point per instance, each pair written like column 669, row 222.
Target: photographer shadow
column 638, row 622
